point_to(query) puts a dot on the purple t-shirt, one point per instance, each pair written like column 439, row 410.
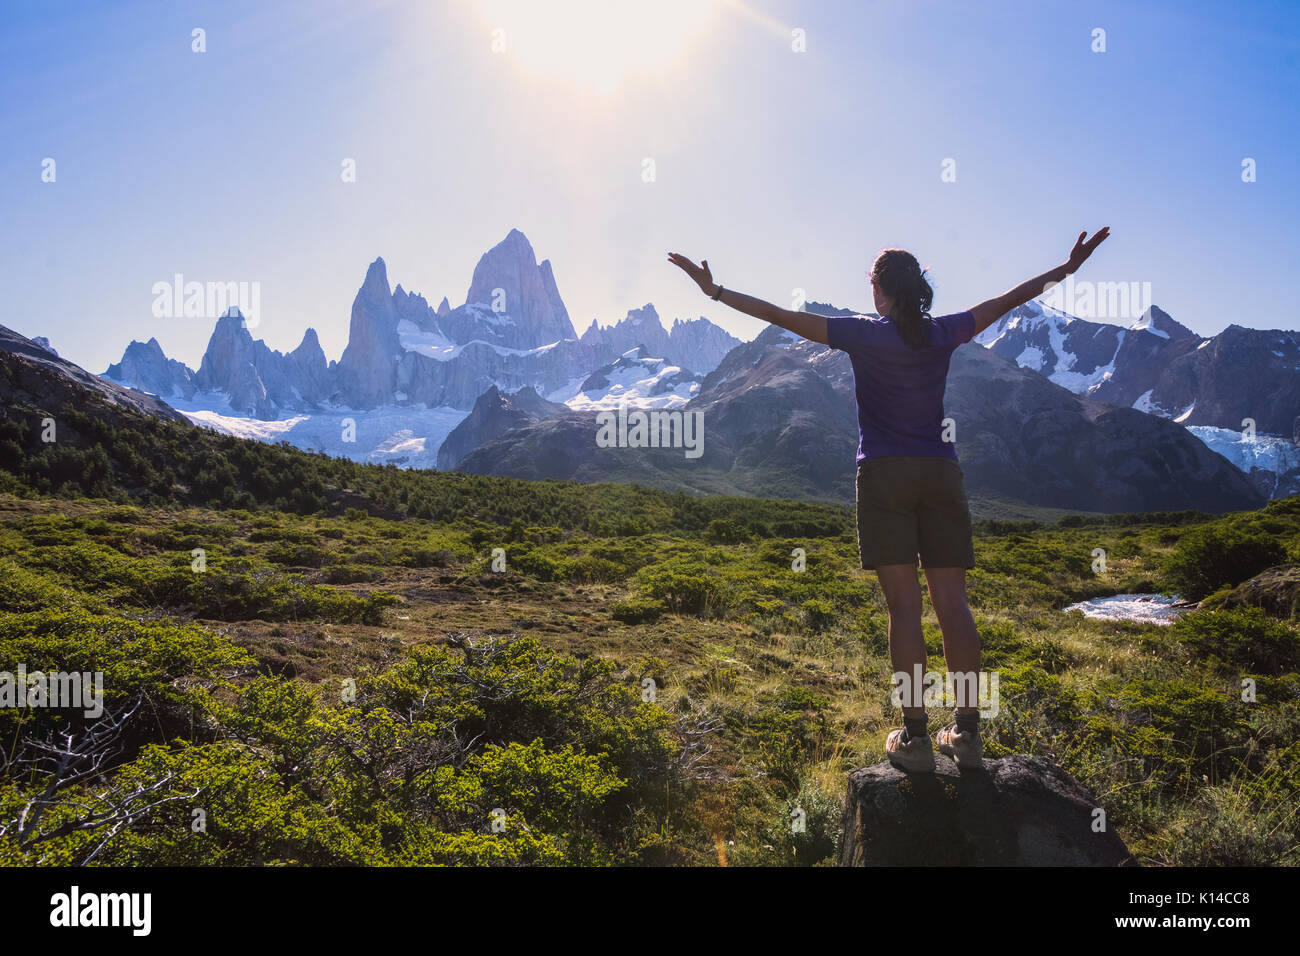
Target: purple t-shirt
column 899, row 389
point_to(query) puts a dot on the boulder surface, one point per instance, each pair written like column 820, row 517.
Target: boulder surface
column 1020, row 811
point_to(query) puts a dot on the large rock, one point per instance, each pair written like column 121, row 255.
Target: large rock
column 1021, row 811
column 1276, row 591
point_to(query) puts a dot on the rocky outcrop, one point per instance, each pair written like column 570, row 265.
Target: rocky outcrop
column 494, row 414
column 1240, row 374
column 44, row 343
column 1020, row 811
column 1276, row 591
column 1161, row 323
column 414, row 308
column 563, row 322
column 231, row 365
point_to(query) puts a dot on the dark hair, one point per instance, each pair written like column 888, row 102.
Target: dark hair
column 902, row 279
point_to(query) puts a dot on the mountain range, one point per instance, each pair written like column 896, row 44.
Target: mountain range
column 1238, row 391
column 1054, row 410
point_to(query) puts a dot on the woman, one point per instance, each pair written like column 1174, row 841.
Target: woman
column 911, row 499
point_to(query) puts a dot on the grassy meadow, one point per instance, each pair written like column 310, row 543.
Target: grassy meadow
column 550, row 673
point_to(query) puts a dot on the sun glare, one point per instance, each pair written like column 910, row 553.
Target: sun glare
column 595, row 44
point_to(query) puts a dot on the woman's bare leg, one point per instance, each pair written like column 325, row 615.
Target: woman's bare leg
column 961, row 642
column 906, row 645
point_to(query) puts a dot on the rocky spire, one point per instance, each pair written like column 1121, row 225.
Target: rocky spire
column 532, row 313
column 368, row 369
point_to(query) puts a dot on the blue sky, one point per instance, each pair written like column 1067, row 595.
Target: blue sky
column 786, row 170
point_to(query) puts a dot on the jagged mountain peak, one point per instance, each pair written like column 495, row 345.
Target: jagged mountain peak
column 1159, row 322
column 44, row 343
column 231, row 322
column 310, row 344
column 376, row 281
column 512, row 299
column 646, row 313
column 495, row 412
column 144, row 366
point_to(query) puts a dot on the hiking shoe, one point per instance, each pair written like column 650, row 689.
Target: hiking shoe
column 966, row 749
column 914, row 756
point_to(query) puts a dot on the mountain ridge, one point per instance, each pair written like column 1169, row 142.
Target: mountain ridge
column 402, row 351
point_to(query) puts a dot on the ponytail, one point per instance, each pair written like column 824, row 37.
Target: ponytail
column 902, row 279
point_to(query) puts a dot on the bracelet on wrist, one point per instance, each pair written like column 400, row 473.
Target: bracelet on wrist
column 715, row 297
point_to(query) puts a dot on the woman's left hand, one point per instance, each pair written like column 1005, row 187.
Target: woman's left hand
column 1084, row 248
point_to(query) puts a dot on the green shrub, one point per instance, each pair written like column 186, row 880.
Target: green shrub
column 637, row 610
column 810, row 829
column 1210, row 557
column 817, row 614
column 1242, row 640
column 683, row 587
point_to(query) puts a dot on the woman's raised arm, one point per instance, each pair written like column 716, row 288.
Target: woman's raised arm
column 810, row 325
column 988, row 312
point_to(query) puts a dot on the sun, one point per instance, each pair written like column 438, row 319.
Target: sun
column 595, row 44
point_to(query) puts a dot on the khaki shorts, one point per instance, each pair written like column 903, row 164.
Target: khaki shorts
column 913, row 506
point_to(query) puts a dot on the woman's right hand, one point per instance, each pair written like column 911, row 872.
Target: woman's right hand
column 700, row 274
